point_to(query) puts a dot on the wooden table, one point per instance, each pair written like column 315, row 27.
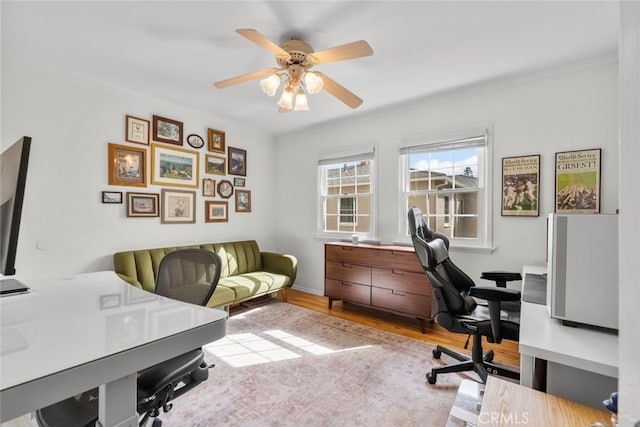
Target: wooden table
column 509, row 404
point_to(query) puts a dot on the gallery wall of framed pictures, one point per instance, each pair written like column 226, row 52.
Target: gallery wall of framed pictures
column 155, row 152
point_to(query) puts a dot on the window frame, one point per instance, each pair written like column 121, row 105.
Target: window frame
column 354, row 155
column 454, row 139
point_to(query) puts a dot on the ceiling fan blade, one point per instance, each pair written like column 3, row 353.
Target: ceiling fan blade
column 245, row 78
column 340, row 92
column 263, row 41
column 343, row 52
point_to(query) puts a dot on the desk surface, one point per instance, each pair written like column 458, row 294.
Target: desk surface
column 69, row 335
column 508, row 404
column 546, row 338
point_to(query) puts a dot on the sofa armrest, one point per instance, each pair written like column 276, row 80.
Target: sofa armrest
column 130, row 281
column 280, row 264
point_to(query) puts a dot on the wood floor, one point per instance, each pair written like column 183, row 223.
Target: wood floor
column 507, row 352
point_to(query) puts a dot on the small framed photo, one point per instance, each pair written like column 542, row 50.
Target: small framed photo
column 208, row 187
column 127, row 166
column 243, row 201
column 520, row 186
column 142, row 204
column 195, row 141
column 216, row 211
column 578, row 181
column 112, row 197
column 178, row 207
column 167, row 130
column 216, row 165
column 239, row 182
column 174, row 166
column 137, row 130
column 237, row 161
column 225, row 189
column 216, row 141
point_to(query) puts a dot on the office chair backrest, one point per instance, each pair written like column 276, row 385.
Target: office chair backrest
column 450, row 284
column 418, row 226
column 189, row 275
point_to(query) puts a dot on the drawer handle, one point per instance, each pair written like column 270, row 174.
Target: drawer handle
column 398, row 273
column 397, row 293
column 347, row 265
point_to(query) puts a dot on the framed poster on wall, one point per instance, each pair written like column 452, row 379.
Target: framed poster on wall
column 578, row 181
column 520, row 186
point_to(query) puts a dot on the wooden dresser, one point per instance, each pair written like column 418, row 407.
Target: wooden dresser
column 385, row 277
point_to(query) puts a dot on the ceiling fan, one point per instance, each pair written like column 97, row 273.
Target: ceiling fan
column 295, row 58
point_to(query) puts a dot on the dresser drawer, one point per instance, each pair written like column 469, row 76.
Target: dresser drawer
column 404, row 302
column 398, row 259
column 337, row 289
column 401, row 280
column 348, row 272
column 351, row 254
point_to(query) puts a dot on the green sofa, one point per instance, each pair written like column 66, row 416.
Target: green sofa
column 246, row 272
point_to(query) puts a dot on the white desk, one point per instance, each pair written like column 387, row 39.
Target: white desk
column 70, row 335
column 574, row 355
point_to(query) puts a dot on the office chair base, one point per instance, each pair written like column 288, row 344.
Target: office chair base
column 481, row 367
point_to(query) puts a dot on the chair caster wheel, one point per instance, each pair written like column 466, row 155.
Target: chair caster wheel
column 489, row 356
column 436, row 354
column 431, row 378
column 156, row 423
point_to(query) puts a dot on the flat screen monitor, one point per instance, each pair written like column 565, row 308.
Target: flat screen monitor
column 13, row 173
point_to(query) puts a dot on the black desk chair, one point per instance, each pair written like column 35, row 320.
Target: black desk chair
column 189, row 275
column 458, row 311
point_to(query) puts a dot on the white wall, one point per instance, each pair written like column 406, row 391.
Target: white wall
column 71, row 121
column 567, row 111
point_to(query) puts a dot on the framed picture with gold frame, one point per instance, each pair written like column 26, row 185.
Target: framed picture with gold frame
column 216, row 211
column 178, row 207
column 174, row 166
column 243, row 201
column 216, row 165
column 217, row 141
column 127, row 165
column 137, row 130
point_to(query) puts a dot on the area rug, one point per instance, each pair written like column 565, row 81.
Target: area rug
column 283, row 365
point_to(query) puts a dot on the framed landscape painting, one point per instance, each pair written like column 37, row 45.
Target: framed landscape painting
column 174, row 166
column 167, row 130
column 216, row 211
column 237, row 161
column 142, row 204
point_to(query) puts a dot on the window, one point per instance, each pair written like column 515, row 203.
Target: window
column 346, row 190
column 447, row 179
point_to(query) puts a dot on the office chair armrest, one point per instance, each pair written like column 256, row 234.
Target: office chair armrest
column 501, row 277
column 490, row 293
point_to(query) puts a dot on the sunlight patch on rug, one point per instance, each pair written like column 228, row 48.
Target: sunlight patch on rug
column 281, row 365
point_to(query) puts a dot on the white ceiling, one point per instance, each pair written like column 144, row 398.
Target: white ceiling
column 176, row 50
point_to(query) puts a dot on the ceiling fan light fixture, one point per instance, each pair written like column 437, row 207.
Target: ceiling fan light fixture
column 301, row 102
column 286, row 100
column 270, row 84
column 313, row 82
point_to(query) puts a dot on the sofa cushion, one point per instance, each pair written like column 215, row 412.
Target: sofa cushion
column 255, row 283
column 237, row 257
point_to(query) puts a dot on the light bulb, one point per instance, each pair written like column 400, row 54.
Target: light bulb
column 286, row 100
column 270, row 84
column 313, row 82
column 301, row 101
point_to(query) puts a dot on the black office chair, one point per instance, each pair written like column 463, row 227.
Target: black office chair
column 458, row 311
column 188, row 275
